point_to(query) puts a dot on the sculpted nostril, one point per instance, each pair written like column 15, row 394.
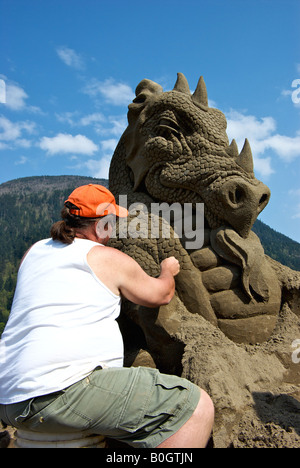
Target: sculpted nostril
column 236, row 196
column 263, row 199
column 239, row 195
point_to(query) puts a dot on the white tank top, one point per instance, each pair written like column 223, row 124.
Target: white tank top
column 62, row 324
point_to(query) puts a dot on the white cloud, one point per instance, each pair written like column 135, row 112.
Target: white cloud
column 9, row 131
column 90, row 119
column 262, row 137
column 23, row 143
column 109, row 146
column 288, row 148
column 118, row 125
column 74, row 119
column 118, row 94
column 98, row 168
column 67, row 117
column 286, row 92
column 21, row 161
column 65, row 143
column 103, row 125
column 70, row 57
column 249, row 125
column 15, row 97
column 2, row 91
column 13, row 132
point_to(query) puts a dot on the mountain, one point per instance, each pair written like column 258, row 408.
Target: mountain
column 278, row 246
column 27, row 185
column 29, row 206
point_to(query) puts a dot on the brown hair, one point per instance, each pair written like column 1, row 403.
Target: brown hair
column 65, row 230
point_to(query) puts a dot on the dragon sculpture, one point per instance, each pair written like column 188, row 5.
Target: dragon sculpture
column 175, row 149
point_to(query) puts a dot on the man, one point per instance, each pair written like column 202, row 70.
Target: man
column 62, row 351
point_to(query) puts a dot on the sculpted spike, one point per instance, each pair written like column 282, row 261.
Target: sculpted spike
column 245, row 159
column 181, row 84
column 233, row 149
column 200, row 95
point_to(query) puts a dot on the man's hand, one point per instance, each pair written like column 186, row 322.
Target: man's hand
column 171, row 265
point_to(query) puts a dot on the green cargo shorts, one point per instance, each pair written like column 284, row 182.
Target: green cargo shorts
column 136, row 405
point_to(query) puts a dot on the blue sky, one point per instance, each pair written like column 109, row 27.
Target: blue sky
column 69, row 68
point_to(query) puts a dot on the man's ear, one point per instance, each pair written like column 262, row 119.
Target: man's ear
column 99, row 228
column 102, row 230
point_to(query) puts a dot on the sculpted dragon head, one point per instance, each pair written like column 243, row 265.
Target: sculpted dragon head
column 177, row 149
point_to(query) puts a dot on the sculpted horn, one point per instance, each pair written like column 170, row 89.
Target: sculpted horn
column 181, row 84
column 245, row 159
column 200, row 95
column 233, row 150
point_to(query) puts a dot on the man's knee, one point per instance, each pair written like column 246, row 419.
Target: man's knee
column 205, row 409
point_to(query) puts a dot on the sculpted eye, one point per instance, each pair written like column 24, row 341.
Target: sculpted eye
column 169, row 124
column 140, row 98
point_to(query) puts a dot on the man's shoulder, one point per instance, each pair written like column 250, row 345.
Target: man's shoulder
column 110, row 253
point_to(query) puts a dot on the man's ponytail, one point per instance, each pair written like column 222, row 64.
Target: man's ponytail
column 65, row 230
column 62, row 232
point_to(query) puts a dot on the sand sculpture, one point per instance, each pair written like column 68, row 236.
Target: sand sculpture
column 231, row 326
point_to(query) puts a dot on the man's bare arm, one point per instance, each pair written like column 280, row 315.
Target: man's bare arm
column 142, row 289
column 123, row 275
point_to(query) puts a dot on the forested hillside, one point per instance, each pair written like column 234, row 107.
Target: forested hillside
column 29, row 207
column 280, row 247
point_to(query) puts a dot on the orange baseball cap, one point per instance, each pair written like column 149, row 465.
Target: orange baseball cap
column 93, row 201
